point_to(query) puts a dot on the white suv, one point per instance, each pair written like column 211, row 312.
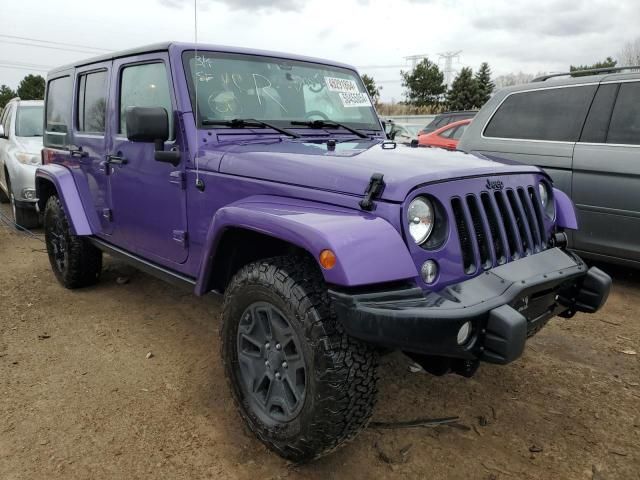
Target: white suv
column 20, row 146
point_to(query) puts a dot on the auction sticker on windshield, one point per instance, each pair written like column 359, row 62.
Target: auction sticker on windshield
column 341, row 85
column 354, row 99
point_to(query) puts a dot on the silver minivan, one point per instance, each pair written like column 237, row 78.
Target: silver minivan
column 584, row 131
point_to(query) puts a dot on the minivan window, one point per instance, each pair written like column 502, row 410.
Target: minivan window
column 29, row 121
column 58, row 112
column 92, row 102
column 597, row 124
column 145, row 85
column 625, row 121
column 555, row 114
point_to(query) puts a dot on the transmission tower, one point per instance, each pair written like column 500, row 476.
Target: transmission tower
column 415, row 59
column 448, row 64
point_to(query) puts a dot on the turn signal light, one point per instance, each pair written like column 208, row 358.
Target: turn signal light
column 327, row 259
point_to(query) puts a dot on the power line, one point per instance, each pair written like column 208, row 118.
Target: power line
column 22, row 64
column 50, row 47
column 21, row 67
column 56, row 43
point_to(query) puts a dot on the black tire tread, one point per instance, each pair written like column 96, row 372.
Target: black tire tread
column 345, row 369
column 84, row 260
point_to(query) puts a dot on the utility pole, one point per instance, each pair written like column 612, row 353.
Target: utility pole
column 448, row 64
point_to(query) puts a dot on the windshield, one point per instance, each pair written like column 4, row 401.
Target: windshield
column 232, row 86
column 29, row 121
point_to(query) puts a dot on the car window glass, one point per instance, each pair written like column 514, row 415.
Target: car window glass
column 597, row 124
column 625, row 121
column 145, row 86
column 448, row 133
column 459, row 131
column 92, row 102
column 58, row 112
column 6, row 116
column 555, row 114
column 29, row 120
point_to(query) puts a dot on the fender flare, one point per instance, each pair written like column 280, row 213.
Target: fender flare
column 565, row 210
column 62, row 180
column 369, row 249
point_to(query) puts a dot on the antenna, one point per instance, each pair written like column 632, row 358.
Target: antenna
column 199, row 182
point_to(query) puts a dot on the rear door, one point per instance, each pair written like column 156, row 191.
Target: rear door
column 149, row 201
column 91, row 137
column 606, row 182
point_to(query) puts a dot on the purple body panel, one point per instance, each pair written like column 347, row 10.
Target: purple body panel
column 366, row 246
column 62, row 179
column 293, row 189
column 565, row 211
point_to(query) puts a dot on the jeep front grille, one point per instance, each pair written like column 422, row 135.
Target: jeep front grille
column 498, row 227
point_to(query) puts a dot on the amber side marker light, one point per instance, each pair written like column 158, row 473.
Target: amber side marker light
column 327, row 259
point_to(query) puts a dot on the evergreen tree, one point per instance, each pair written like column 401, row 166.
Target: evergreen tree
column 464, row 91
column 6, row 94
column 31, row 87
column 607, row 62
column 372, row 88
column 424, row 84
column 485, row 85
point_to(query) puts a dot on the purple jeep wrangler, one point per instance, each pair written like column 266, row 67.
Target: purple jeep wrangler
column 268, row 178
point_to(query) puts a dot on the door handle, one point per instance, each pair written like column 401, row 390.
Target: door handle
column 77, row 151
column 116, row 160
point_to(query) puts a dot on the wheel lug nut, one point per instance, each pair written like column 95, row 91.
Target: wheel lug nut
column 284, row 365
column 267, row 364
column 278, row 347
column 267, row 345
column 278, row 376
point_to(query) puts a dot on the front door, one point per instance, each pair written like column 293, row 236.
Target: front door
column 606, row 178
column 149, row 204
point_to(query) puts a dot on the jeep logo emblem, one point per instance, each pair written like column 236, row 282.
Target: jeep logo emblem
column 495, row 184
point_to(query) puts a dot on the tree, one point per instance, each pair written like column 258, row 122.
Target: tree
column 464, row 91
column 372, row 88
column 484, row 84
column 608, row 62
column 511, row 79
column 425, row 84
column 630, row 53
column 31, row 88
column 6, row 94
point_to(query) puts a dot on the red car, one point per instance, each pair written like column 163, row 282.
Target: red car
column 445, row 137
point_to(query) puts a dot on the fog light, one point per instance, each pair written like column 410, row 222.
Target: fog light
column 429, row 271
column 28, row 194
column 464, row 333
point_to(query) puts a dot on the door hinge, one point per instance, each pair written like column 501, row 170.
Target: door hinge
column 373, row 191
column 178, row 177
column 106, row 214
column 181, row 237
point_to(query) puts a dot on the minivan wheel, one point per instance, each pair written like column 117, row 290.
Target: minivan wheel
column 74, row 261
column 302, row 385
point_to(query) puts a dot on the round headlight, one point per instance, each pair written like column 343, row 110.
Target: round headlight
column 544, row 194
column 420, row 219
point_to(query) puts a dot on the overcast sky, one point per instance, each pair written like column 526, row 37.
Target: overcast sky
column 515, row 35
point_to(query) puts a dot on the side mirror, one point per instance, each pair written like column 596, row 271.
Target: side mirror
column 151, row 124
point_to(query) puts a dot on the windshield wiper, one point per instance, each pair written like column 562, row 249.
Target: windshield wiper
column 248, row 122
column 329, row 124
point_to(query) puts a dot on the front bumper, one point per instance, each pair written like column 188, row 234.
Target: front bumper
column 505, row 305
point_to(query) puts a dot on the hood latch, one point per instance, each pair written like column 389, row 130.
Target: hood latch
column 373, row 191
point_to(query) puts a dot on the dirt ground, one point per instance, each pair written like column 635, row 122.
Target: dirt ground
column 81, row 400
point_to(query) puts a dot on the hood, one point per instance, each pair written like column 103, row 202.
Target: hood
column 31, row 145
column 349, row 168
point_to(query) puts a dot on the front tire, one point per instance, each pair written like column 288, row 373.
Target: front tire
column 24, row 218
column 301, row 384
column 74, row 261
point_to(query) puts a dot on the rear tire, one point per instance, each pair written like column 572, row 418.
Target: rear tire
column 324, row 381
column 74, row 261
